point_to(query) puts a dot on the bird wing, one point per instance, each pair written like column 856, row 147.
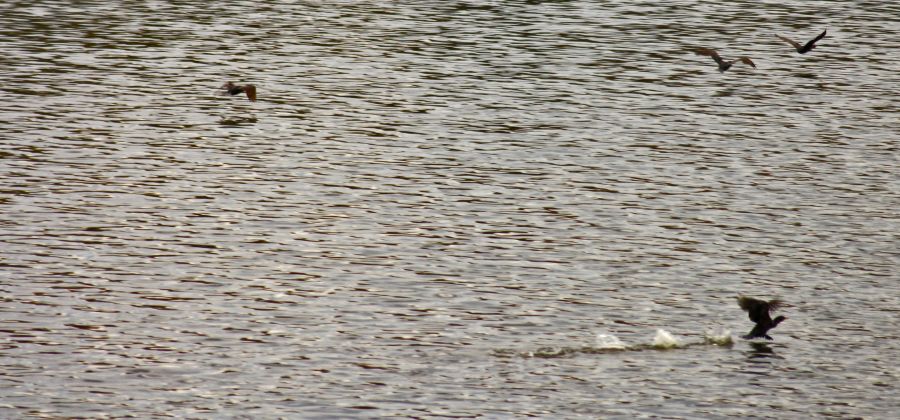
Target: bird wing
column 746, row 303
column 774, row 304
column 746, row 60
column 757, row 309
column 709, row 52
column 796, row 45
column 812, row 42
column 250, row 90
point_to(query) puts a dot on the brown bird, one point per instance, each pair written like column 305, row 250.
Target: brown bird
column 759, row 313
column 233, row 89
column 723, row 64
column 803, row 49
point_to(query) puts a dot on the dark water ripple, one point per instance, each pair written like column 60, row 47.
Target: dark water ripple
column 439, row 209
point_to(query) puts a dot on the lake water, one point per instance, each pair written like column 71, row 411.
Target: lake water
column 448, row 209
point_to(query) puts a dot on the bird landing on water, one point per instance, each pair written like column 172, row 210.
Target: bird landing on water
column 759, row 311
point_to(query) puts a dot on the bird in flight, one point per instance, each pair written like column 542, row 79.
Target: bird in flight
column 233, row 89
column 723, row 64
column 759, row 313
column 803, row 49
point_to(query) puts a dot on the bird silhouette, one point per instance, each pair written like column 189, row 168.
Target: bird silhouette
column 759, row 313
column 723, row 64
column 233, row 89
column 803, row 49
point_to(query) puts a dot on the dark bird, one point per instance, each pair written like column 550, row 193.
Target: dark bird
column 233, row 89
column 803, row 49
column 759, row 313
column 723, row 64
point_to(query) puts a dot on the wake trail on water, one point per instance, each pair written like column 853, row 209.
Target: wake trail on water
column 608, row 343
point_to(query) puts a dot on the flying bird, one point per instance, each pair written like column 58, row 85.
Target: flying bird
column 803, row 49
column 233, row 89
column 723, row 64
column 759, row 313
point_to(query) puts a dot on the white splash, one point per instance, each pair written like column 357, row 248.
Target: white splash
column 664, row 340
column 719, row 337
column 609, row 341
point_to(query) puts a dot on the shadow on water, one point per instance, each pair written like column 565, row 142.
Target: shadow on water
column 761, row 359
column 759, row 350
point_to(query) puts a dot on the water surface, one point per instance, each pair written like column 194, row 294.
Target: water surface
column 447, row 209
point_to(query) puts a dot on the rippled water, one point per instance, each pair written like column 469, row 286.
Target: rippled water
column 447, row 209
